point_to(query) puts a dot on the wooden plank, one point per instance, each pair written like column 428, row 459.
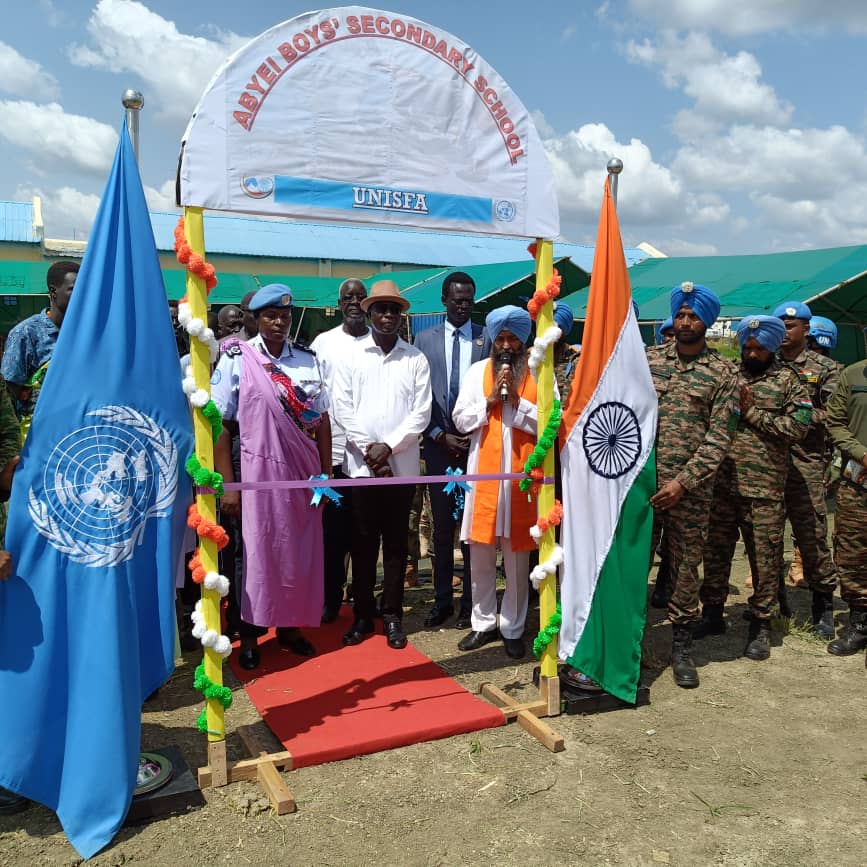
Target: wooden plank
column 247, row 769
column 541, row 731
column 282, row 800
column 217, row 762
column 549, row 690
column 251, row 742
column 537, row 708
column 495, row 695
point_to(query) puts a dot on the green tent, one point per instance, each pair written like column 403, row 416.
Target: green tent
column 833, row 282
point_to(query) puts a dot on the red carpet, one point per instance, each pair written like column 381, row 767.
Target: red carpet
column 350, row 701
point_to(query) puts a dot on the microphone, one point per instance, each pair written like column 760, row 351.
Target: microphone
column 504, row 359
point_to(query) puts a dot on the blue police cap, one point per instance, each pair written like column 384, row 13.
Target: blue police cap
column 272, row 295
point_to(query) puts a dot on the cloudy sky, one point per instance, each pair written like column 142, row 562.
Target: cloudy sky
column 741, row 123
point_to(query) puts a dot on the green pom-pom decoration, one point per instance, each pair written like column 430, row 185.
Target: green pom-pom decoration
column 549, row 633
column 215, row 419
column 211, row 691
column 202, row 722
column 545, row 444
column 203, row 477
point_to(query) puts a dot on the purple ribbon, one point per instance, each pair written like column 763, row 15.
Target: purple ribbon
column 295, row 484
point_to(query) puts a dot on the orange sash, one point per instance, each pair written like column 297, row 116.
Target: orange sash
column 486, row 494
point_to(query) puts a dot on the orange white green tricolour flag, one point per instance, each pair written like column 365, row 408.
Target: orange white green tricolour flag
column 609, row 474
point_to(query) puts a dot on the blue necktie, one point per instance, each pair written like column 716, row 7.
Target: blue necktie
column 455, row 373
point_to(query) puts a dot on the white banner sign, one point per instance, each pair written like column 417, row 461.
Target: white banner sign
column 363, row 116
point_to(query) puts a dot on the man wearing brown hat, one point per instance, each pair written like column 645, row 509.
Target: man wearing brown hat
column 383, row 403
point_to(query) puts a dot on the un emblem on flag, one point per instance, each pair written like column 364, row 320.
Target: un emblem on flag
column 102, row 483
column 612, row 440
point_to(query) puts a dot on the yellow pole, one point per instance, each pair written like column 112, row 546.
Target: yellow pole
column 197, row 297
column 545, row 401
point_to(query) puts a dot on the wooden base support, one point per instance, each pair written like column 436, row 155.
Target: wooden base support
column 263, row 767
column 527, row 713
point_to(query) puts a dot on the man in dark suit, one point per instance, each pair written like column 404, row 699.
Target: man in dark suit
column 450, row 349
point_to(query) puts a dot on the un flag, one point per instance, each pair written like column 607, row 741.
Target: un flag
column 95, row 530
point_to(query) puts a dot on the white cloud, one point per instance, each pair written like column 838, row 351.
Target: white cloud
column 680, row 247
column 68, row 213
column 175, row 67
column 23, row 77
column 55, row 137
column 162, row 199
column 725, row 88
column 744, row 17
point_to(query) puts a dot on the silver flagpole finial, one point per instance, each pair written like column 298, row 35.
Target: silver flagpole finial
column 133, row 101
column 615, row 167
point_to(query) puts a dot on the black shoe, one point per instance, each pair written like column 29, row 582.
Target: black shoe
column 329, row 614
column 248, row 658
column 394, row 635
column 853, row 637
column 759, row 640
column 359, row 631
column 822, row 610
column 682, row 667
column 291, row 638
column 11, row 803
column 711, row 623
column 474, row 640
column 438, row 616
column 515, row 647
column 464, row 621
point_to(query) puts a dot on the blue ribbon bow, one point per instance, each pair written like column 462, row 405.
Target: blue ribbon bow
column 457, row 488
column 323, row 490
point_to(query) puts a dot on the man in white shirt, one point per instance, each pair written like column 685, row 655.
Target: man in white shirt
column 382, row 401
column 331, row 348
column 496, row 406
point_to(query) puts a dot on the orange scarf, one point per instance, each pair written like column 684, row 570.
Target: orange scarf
column 486, row 494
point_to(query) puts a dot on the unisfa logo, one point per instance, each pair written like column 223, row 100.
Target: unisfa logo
column 385, row 199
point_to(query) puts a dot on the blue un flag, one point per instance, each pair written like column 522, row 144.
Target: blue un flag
column 95, row 530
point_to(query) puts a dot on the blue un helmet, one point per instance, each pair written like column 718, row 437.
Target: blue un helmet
column 823, row 331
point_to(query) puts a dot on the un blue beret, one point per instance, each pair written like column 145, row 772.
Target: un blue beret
column 704, row 303
column 768, row 330
column 668, row 325
column 823, row 331
column 793, row 310
column 272, row 295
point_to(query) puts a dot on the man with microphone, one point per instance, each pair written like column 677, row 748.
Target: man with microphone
column 496, row 406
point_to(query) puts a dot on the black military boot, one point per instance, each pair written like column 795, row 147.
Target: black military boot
column 759, row 640
column 659, row 597
column 711, row 622
column 682, row 666
column 823, row 614
column 853, row 637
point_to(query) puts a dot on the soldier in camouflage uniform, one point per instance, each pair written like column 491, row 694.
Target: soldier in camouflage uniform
column 846, row 421
column 804, row 496
column 748, row 492
column 696, row 390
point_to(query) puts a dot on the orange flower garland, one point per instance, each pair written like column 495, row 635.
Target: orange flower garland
column 193, row 261
column 196, row 568
column 542, row 297
column 207, row 529
column 553, row 518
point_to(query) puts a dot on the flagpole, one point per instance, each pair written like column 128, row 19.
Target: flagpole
column 549, row 682
column 207, row 505
column 615, row 167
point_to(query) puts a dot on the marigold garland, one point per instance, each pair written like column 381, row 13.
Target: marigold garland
column 543, row 296
column 552, row 519
column 197, row 570
column 543, row 446
column 549, row 633
column 207, row 529
column 191, row 260
column 203, row 477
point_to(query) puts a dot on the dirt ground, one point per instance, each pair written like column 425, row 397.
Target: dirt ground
column 764, row 764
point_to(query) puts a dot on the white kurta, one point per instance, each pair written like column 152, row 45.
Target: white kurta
column 471, row 417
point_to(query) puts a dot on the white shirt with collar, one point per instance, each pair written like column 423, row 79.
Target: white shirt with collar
column 465, row 337
column 383, row 398
column 298, row 364
column 331, row 347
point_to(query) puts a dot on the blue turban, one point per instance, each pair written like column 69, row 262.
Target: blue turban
column 272, row 295
column 793, row 310
column 668, row 325
column 563, row 316
column 516, row 319
column 823, row 331
column 704, row 303
column 768, row 330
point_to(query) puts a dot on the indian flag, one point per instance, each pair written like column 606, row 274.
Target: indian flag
column 609, row 474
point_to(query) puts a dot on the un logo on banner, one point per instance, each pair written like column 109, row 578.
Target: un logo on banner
column 612, row 440
column 102, row 483
column 505, row 210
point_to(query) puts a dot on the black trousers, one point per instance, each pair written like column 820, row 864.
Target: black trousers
column 445, row 518
column 337, row 536
column 379, row 514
